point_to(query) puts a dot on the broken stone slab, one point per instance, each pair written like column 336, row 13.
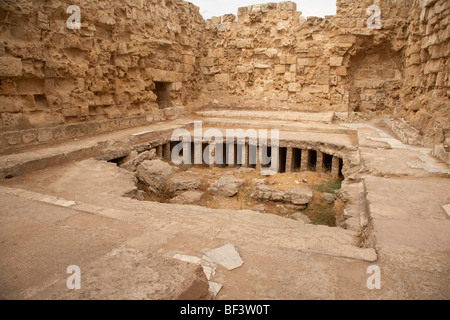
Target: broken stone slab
column 245, row 170
column 186, row 258
column 329, row 198
column 447, row 209
column 134, row 161
column 266, row 193
column 58, row 202
column 227, row 186
column 214, row 288
column 136, row 194
column 301, row 217
column 227, row 256
column 187, row 197
column 208, row 268
column 182, row 183
column 260, row 208
column 154, row 173
column 258, row 182
column 298, row 195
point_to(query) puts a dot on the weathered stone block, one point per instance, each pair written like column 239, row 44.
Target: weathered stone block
column 336, row 61
column 188, row 59
column 44, row 135
column 287, row 5
column 212, row 86
column 244, row 69
column 29, row 136
column 317, row 89
column 294, row 87
column 10, row 67
column 288, row 76
column 222, row 27
column 341, row 71
column 346, row 38
column 244, row 43
column 288, row 60
column 208, row 62
column 189, row 68
column 221, row 78
column 279, row 69
column 310, row 62
column 259, row 65
column 216, row 53
column 12, row 138
column 71, row 112
column 242, row 11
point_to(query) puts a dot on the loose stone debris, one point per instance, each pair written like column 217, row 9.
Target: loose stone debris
column 226, row 256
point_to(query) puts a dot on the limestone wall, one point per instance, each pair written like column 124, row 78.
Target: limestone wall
column 134, row 59
column 271, row 54
column 426, row 86
column 101, row 76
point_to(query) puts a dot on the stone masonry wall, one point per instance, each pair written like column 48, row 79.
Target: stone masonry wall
column 134, row 59
column 102, row 76
column 426, row 86
column 271, row 56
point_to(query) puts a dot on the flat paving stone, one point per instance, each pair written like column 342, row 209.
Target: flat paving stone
column 227, row 256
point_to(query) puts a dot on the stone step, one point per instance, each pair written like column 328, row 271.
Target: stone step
column 105, row 146
column 278, row 124
column 326, row 117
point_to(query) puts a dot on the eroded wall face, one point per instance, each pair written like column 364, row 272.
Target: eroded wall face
column 426, row 86
column 374, row 81
column 132, row 58
column 104, row 72
column 271, row 56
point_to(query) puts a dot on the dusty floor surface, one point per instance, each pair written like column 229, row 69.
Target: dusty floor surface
column 119, row 243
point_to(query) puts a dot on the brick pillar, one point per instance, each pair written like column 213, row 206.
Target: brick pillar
column 305, row 160
column 159, row 151
column 246, row 162
column 319, row 163
column 335, row 167
column 167, row 155
column 289, row 160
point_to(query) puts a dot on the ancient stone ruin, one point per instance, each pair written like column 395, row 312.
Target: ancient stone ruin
column 358, row 175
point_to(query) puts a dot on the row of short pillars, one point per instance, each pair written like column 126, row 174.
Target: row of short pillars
column 311, row 160
column 289, row 159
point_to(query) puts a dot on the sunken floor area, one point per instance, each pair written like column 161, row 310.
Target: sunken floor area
column 85, row 203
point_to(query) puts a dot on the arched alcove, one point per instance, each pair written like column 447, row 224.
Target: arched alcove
column 374, row 79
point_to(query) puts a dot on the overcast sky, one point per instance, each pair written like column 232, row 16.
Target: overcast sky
column 211, row 8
